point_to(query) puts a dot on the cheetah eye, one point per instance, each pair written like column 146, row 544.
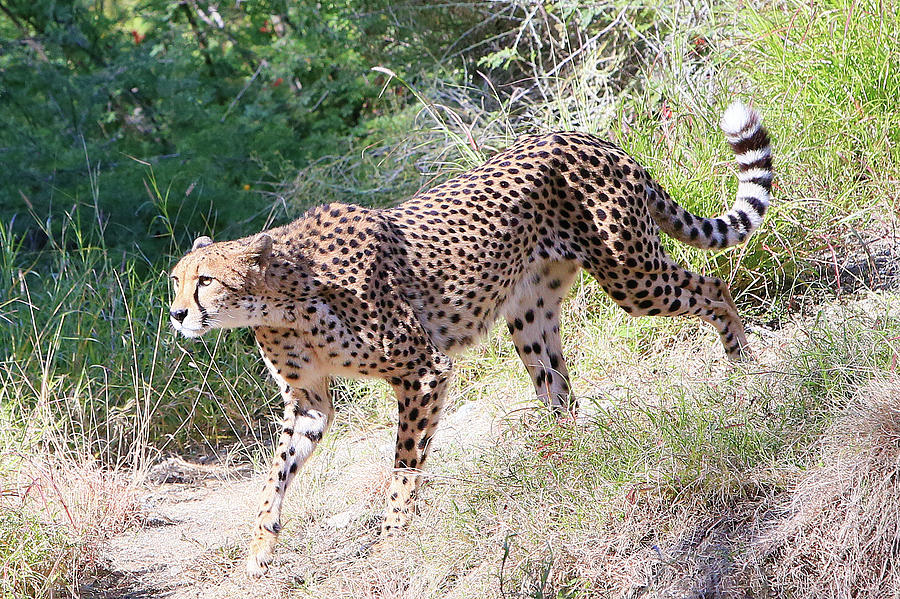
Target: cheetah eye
column 203, row 280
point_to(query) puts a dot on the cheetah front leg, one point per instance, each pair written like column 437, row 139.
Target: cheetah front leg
column 420, row 398
column 308, row 413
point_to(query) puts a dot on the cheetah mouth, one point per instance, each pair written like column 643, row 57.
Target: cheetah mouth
column 187, row 331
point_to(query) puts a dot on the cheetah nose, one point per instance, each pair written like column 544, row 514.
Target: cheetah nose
column 179, row 315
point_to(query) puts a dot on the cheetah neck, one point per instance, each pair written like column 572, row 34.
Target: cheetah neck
column 284, row 297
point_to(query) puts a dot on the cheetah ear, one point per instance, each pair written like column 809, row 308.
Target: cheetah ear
column 201, row 242
column 260, row 248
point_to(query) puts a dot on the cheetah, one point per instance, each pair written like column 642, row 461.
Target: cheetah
column 396, row 293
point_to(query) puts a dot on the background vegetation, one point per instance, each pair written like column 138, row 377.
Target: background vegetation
column 127, row 127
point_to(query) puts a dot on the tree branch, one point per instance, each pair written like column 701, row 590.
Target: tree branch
column 199, row 33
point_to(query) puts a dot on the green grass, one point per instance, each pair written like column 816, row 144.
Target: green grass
column 86, row 341
column 35, row 556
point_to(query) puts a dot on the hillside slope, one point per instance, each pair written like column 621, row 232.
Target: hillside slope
column 510, row 509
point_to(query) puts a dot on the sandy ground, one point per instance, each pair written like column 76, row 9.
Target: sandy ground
column 192, row 527
column 198, row 517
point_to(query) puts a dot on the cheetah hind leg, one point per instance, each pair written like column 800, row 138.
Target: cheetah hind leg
column 709, row 299
column 533, row 323
column 674, row 291
column 733, row 335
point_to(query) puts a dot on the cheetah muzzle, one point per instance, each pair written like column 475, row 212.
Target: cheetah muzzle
column 395, row 293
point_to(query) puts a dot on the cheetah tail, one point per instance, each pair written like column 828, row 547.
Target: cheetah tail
column 750, row 141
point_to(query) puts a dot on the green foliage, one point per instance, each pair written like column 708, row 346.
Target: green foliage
column 222, row 100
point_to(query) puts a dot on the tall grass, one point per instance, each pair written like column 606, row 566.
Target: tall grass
column 87, row 327
column 88, row 356
column 93, row 388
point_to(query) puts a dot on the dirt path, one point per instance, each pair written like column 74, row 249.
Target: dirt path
column 198, row 520
column 194, row 529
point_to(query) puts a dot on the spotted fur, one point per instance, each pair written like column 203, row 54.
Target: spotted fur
column 395, row 293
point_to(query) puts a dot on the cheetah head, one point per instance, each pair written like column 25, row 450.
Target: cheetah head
column 214, row 284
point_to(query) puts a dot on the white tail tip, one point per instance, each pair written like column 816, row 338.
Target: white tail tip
column 739, row 119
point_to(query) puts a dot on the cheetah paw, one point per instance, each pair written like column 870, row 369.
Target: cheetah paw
column 260, row 556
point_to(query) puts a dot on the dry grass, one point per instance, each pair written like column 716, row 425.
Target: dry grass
column 658, row 490
column 840, row 532
column 57, row 514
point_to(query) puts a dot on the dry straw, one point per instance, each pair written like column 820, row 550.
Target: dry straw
column 840, row 531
